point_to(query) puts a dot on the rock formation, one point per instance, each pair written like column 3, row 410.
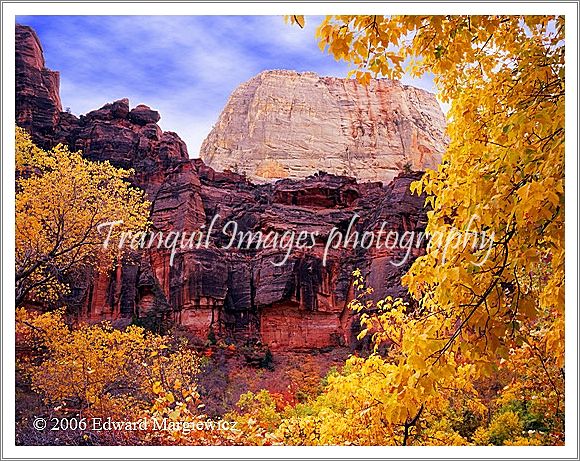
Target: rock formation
column 238, row 292
column 286, row 124
column 38, row 105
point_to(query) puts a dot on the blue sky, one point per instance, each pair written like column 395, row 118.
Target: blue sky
column 184, row 66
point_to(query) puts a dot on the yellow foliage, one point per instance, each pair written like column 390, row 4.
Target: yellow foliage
column 271, row 169
column 504, row 79
column 503, row 427
column 490, row 287
column 100, row 372
column 83, row 366
column 257, row 418
column 61, row 198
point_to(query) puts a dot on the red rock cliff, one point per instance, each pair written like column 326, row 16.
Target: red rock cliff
column 38, row 104
column 237, row 293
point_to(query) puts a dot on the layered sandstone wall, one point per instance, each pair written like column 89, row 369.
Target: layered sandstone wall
column 287, row 124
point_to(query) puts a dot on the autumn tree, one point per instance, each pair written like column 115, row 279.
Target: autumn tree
column 85, row 366
column 502, row 177
column 99, row 371
column 61, row 199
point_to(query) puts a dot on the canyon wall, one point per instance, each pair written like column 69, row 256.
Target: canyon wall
column 284, row 124
column 239, row 293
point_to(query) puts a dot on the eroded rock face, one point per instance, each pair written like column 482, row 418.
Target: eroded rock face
column 234, row 292
column 286, row 124
column 302, row 303
column 38, row 105
column 142, row 115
